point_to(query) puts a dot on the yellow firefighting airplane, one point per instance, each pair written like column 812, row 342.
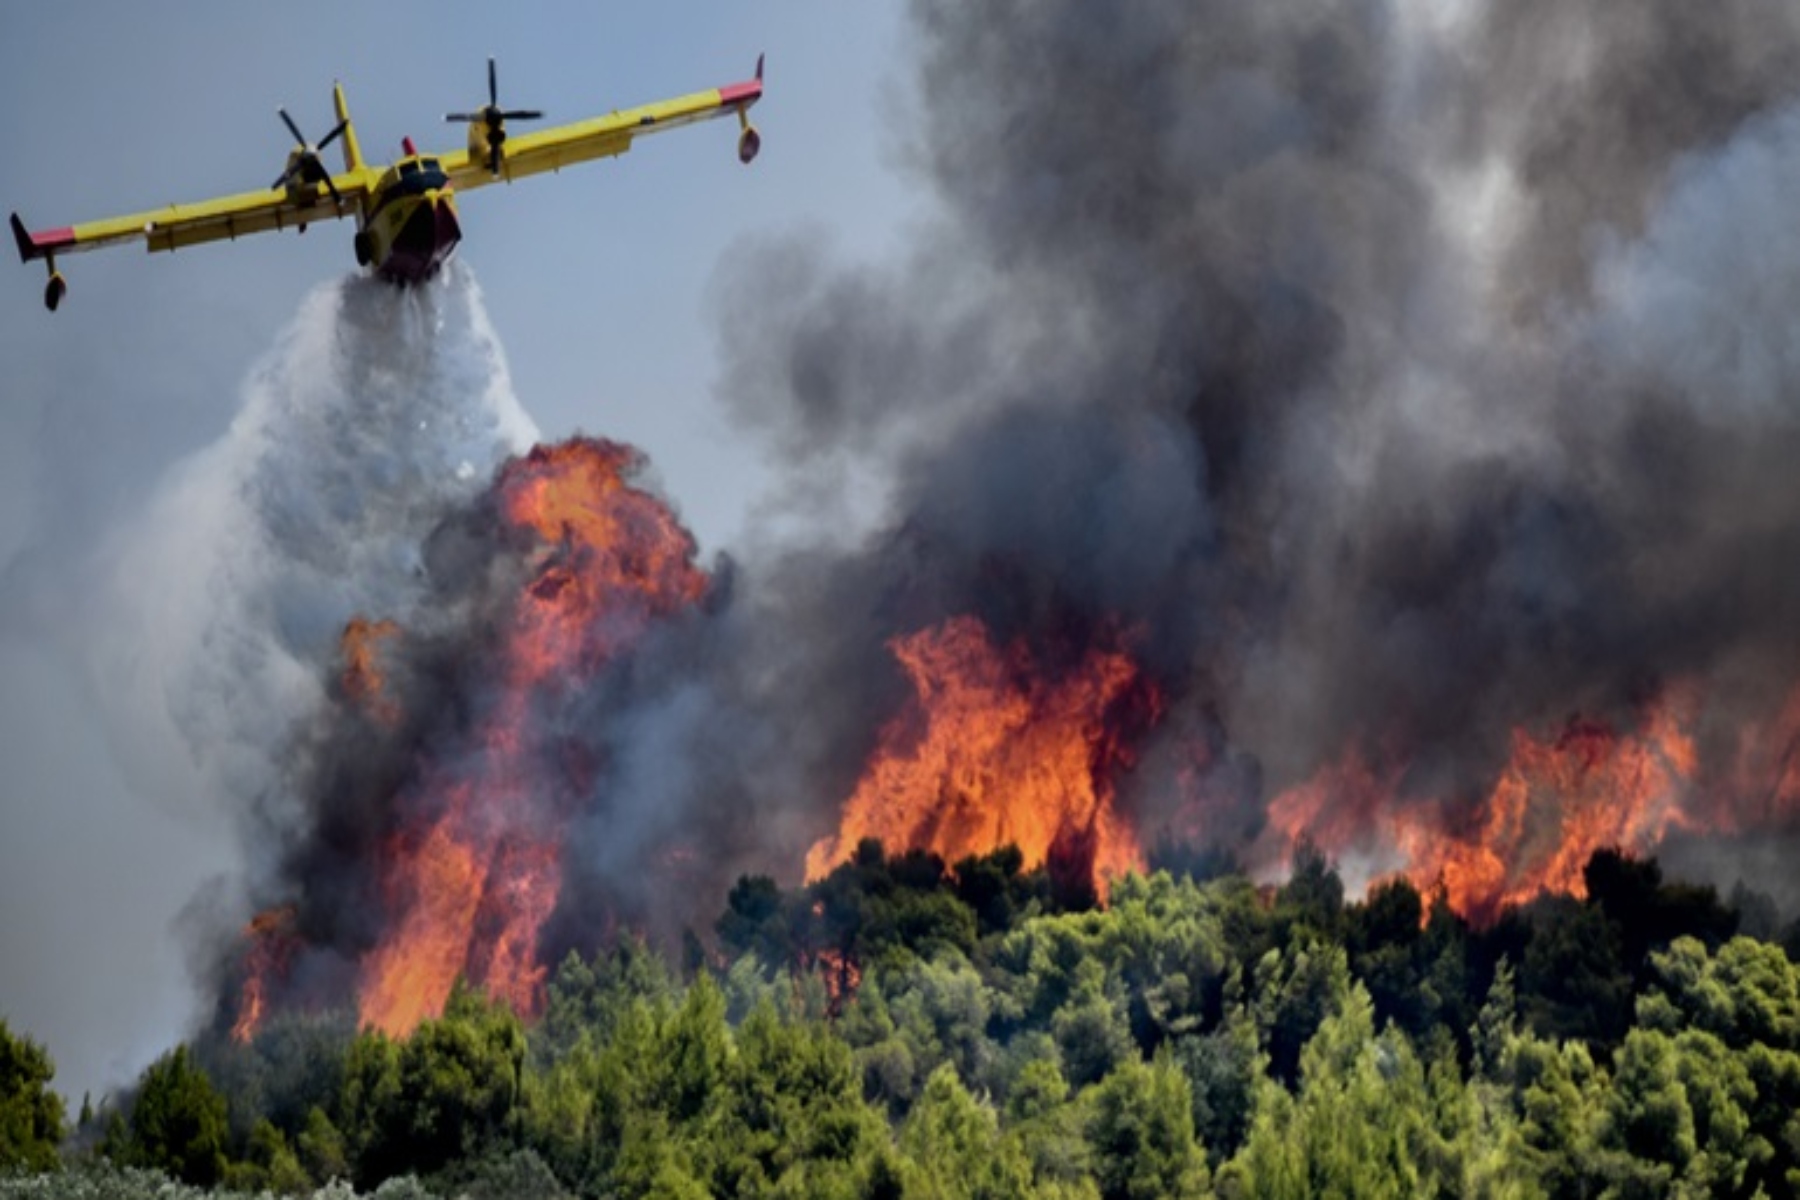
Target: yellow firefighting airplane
column 405, row 213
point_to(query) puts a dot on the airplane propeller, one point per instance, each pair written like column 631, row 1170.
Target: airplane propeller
column 494, row 117
column 303, row 164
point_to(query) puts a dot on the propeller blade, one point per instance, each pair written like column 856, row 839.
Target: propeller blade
column 465, row 117
column 333, row 135
column 336, row 196
column 292, row 128
column 494, row 158
column 493, row 85
column 280, row 180
column 522, row 114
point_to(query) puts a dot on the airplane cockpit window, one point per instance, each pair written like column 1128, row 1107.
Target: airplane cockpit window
column 409, row 168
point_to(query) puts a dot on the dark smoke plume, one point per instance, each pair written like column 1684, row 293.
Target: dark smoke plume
column 1394, row 378
column 1404, row 378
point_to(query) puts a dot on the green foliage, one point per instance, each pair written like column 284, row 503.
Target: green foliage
column 1361, row 1124
column 1142, row 1134
column 1293, row 992
column 792, row 1112
column 321, row 1149
column 897, row 1029
column 1573, row 982
column 31, row 1115
column 449, row 1092
column 293, row 1065
column 270, row 1164
column 1223, row 1068
column 955, row 1146
column 177, row 1123
column 588, row 998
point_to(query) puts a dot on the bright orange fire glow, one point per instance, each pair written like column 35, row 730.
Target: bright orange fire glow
column 271, row 944
column 471, row 882
column 363, row 682
column 1557, row 800
column 990, row 752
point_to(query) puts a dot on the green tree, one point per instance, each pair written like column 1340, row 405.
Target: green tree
column 460, row 1079
column 177, row 1123
column 695, row 1052
column 1364, row 1122
column 1222, row 1068
column 1142, row 1134
column 1089, row 1029
column 269, row 1164
column 1739, row 1010
column 791, row 1117
column 758, row 920
column 31, row 1115
column 375, row 1146
column 589, row 997
column 1573, row 981
column 954, row 1144
column 450, row 1092
column 321, row 1148
column 1293, row 991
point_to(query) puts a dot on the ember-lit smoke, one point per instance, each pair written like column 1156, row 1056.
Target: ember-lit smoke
column 1371, row 422
column 1415, row 381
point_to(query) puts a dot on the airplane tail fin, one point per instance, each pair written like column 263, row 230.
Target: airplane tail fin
column 353, row 159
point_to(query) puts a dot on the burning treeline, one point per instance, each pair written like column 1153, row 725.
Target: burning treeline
column 1344, row 422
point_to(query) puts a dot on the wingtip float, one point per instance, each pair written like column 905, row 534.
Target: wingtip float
column 406, row 218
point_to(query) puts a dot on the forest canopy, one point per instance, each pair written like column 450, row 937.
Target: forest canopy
column 904, row 1027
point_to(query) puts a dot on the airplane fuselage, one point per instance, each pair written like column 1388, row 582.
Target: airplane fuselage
column 410, row 225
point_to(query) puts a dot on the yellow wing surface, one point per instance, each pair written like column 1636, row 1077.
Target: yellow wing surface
column 603, row 137
column 178, row 225
column 290, row 206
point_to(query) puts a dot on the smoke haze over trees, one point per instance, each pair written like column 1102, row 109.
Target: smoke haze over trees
column 1397, row 399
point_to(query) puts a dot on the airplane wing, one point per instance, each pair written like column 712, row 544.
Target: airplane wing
column 606, row 136
column 178, row 225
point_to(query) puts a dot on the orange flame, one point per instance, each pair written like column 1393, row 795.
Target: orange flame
column 842, row 976
column 271, row 937
column 363, row 682
column 1557, row 800
column 990, row 752
column 472, row 884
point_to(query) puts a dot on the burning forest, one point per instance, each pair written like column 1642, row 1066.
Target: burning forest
column 1340, row 453
column 1362, row 427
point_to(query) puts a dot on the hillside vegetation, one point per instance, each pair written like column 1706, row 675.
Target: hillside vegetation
column 900, row 1029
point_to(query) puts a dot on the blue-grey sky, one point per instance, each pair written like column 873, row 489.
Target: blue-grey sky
column 596, row 281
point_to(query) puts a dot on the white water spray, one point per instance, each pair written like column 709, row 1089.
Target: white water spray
column 215, row 614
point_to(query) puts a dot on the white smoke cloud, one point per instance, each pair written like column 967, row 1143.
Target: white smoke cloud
column 207, row 623
column 1704, row 300
column 220, row 606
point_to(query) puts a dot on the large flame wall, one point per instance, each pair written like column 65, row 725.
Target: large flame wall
column 1355, row 422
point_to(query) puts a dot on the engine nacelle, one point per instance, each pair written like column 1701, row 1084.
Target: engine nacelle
column 478, row 142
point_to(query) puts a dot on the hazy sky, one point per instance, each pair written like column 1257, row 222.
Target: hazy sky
column 597, row 282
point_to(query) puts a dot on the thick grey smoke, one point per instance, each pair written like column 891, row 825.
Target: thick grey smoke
column 1400, row 373
column 204, row 626
column 1389, row 376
